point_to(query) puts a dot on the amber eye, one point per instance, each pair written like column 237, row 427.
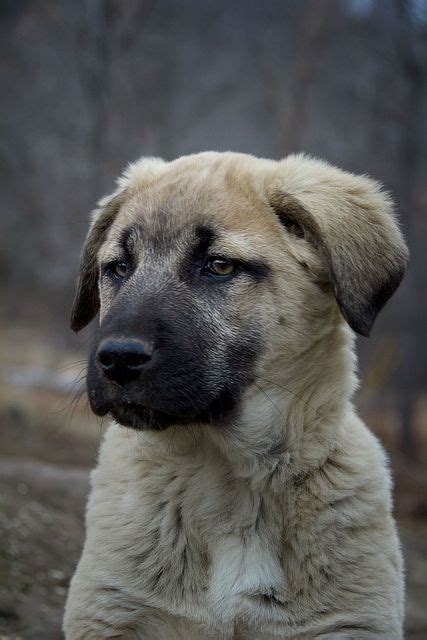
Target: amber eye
column 118, row 269
column 220, row 267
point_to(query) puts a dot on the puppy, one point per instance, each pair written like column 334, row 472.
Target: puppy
column 247, row 500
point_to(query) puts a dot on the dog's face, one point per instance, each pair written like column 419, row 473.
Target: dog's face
column 209, row 270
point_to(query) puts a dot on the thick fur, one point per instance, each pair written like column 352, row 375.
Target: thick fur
column 273, row 520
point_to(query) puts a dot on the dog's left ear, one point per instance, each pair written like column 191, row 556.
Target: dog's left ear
column 349, row 219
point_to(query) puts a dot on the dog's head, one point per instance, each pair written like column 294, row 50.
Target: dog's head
column 209, row 269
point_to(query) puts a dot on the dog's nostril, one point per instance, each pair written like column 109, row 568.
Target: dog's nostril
column 106, row 360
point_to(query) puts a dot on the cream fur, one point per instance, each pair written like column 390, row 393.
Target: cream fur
column 280, row 524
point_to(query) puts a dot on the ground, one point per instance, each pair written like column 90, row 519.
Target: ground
column 47, row 448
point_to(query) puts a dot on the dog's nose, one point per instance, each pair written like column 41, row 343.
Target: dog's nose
column 123, row 360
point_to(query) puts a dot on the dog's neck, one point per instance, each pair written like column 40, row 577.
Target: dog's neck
column 291, row 415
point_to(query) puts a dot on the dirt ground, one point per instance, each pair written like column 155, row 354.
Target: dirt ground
column 45, row 459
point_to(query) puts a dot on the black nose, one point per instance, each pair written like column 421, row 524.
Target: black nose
column 123, row 360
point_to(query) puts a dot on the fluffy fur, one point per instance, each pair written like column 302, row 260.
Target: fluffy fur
column 278, row 524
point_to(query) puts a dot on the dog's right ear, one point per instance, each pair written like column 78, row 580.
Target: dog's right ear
column 86, row 301
column 137, row 175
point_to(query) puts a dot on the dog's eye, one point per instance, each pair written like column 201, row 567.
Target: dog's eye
column 119, row 269
column 219, row 267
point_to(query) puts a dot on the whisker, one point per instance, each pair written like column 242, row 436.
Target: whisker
column 271, row 400
column 71, row 365
column 293, row 393
column 77, row 399
column 80, row 377
column 170, row 441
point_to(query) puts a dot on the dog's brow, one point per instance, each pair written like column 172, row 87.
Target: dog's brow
column 128, row 237
column 204, row 238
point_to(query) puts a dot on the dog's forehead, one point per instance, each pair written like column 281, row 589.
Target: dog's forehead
column 226, row 199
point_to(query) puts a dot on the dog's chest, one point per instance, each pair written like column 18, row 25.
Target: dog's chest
column 204, row 544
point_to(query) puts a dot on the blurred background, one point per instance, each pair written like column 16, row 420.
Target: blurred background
column 88, row 85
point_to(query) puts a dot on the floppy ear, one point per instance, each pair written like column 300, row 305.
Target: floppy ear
column 86, row 302
column 349, row 219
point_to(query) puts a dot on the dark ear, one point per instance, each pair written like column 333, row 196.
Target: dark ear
column 349, row 220
column 86, row 301
column 140, row 174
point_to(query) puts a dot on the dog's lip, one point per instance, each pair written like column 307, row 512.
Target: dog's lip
column 118, row 408
column 139, row 412
column 136, row 406
column 105, row 408
column 125, row 413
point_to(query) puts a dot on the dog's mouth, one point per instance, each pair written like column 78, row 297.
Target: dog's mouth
column 141, row 417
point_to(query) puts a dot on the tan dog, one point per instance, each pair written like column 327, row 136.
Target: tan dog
column 248, row 501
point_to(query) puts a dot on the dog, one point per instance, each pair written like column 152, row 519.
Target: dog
column 246, row 499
